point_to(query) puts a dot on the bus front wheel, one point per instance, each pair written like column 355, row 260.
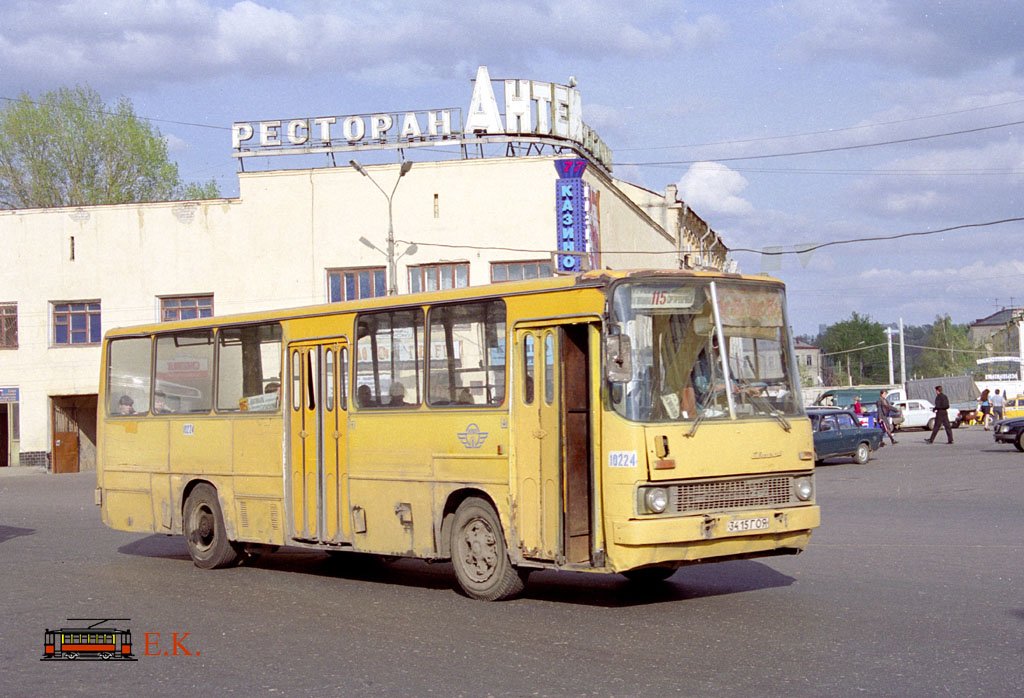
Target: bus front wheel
column 205, row 533
column 479, row 556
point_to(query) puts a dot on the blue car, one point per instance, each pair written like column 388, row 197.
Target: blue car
column 838, row 433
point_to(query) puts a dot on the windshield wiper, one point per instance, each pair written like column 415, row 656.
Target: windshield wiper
column 762, row 403
column 702, row 409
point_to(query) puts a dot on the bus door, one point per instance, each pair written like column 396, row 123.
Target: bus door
column 551, row 418
column 319, row 420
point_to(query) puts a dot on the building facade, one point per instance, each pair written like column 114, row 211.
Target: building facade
column 291, row 238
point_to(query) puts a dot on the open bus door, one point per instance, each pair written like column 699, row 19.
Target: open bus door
column 318, row 473
column 551, row 418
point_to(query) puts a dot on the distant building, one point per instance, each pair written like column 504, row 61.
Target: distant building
column 981, row 331
column 809, row 359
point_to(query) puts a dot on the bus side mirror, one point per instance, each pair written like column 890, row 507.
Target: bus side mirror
column 618, row 358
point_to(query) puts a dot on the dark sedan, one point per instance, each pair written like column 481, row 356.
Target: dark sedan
column 838, row 433
column 1010, row 431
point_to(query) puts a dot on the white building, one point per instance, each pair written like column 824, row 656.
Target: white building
column 293, row 237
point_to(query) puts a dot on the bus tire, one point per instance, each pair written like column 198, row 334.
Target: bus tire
column 205, row 533
column 862, row 454
column 481, row 562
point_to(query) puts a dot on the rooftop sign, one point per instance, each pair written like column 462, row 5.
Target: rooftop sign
column 540, row 112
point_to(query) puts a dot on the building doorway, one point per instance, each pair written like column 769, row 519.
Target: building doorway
column 5, row 438
column 74, row 433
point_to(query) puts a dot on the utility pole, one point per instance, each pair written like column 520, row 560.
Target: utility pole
column 903, row 357
column 888, row 343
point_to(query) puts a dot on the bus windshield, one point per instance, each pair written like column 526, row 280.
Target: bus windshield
column 680, row 371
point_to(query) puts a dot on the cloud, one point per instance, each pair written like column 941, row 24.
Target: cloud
column 712, row 188
column 952, row 37
column 170, row 41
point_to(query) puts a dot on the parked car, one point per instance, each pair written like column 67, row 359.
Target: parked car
column 1010, row 431
column 838, row 433
column 921, row 414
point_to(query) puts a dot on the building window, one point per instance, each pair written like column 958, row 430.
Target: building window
column 353, row 284
column 431, row 277
column 8, row 325
column 76, row 323
column 185, row 308
column 514, row 271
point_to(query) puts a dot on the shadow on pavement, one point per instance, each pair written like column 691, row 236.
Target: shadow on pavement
column 9, row 532
column 602, row 590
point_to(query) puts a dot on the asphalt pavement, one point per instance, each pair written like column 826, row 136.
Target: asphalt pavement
column 913, row 586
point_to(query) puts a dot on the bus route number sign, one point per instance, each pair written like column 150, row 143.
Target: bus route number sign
column 668, row 298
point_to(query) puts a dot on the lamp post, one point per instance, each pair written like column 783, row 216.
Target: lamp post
column 390, row 252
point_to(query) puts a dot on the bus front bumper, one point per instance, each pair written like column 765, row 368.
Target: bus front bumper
column 681, row 539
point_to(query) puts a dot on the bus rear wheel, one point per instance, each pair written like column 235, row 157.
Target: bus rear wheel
column 481, row 562
column 205, row 533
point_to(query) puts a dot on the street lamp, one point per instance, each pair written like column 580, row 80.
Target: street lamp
column 390, row 252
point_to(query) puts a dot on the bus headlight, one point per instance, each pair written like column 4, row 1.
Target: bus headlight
column 656, row 499
column 803, row 487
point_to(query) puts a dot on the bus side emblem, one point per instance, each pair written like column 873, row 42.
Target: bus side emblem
column 473, row 437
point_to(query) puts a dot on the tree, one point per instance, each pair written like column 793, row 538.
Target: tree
column 69, row 149
column 869, row 364
column 950, row 355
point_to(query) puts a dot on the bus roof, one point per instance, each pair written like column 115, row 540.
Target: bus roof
column 590, row 279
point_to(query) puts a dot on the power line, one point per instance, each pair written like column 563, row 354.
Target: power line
column 878, row 238
column 826, row 131
column 828, row 150
column 144, row 118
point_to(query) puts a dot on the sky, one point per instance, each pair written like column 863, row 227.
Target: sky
column 785, row 125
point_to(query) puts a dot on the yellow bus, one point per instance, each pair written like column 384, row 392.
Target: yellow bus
column 613, row 422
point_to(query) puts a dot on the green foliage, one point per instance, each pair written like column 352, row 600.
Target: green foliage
column 69, row 149
column 945, row 336
column 863, row 366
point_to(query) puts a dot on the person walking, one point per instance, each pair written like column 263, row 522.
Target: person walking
column 941, row 415
column 986, row 408
column 884, row 415
column 997, row 405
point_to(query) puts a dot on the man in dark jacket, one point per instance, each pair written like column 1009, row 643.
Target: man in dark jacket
column 884, row 415
column 941, row 416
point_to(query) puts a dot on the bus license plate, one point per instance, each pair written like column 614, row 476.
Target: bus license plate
column 737, row 525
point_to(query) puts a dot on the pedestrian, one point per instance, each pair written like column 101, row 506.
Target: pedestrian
column 941, row 415
column 884, row 416
column 985, row 407
column 857, row 409
column 997, row 405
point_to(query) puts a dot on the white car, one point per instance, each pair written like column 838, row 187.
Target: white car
column 921, row 414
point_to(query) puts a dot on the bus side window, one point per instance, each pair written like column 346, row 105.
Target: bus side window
column 184, row 371
column 389, row 351
column 249, row 368
column 466, row 363
column 528, row 370
column 128, row 376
